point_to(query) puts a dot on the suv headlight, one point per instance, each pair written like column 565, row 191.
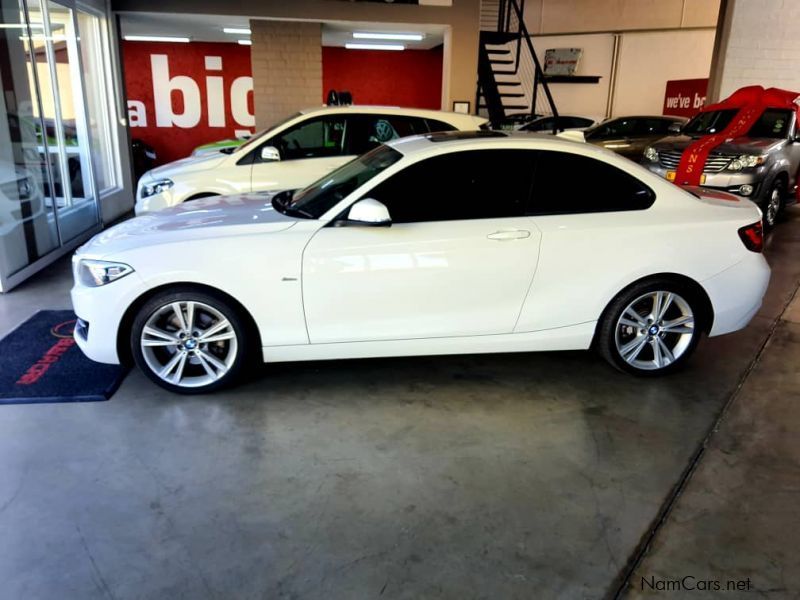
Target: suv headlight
column 651, row 154
column 156, row 187
column 94, row 273
column 745, row 161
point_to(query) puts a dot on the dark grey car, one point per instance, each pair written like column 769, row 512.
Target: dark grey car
column 762, row 165
column 629, row 136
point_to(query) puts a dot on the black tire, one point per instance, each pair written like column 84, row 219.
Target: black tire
column 772, row 205
column 208, row 310
column 612, row 336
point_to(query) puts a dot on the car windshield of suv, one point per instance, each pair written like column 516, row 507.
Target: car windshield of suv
column 318, row 198
column 259, row 137
column 712, row 121
column 773, row 123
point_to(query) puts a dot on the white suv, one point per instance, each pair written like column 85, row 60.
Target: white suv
column 291, row 154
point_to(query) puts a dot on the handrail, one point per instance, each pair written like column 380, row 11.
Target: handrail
column 504, row 25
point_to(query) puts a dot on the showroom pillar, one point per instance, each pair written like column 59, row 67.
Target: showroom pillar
column 756, row 45
column 286, row 59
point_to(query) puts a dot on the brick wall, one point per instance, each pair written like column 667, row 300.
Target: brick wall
column 762, row 46
column 286, row 58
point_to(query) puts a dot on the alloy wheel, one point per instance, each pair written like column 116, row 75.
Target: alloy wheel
column 773, row 206
column 654, row 330
column 188, row 343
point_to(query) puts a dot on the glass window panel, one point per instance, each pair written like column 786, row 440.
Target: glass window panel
column 98, row 89
column 27, row 224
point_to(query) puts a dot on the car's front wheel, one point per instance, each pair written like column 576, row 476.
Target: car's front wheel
column 772, row 205
column 651, row 329
column 189, row 341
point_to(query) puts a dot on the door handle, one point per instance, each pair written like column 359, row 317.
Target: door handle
column 517, row 234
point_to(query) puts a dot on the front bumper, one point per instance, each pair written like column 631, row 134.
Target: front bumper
column 736, row 294
column 725, row 181
column 101, row 309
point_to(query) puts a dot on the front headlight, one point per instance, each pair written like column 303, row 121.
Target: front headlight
column 150, row 189
column 94, row 273
column 745, row 161
column 651, row 154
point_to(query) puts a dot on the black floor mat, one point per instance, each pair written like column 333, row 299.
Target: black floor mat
column 42, row 363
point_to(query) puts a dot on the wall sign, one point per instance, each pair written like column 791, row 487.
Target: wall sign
column 685, row 97
column 183, row 95
column 561, row 61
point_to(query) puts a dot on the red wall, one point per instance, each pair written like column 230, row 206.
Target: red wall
column 175, row 141
column 411, row 78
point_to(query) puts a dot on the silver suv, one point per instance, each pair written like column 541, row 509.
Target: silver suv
column 762, row 165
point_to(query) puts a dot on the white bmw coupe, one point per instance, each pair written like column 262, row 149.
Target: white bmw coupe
column 437, row 244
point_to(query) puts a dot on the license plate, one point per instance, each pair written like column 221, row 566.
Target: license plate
column 670, row 176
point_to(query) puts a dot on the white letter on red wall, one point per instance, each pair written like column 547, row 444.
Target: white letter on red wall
column 163, row 87
column 240, row 88
column 214, row 91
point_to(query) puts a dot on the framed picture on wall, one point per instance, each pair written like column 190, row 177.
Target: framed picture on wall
column 461, row 107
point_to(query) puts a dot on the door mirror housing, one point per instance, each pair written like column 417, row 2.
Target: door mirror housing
column 270, row 153
column 368, row 212
column 674, row 128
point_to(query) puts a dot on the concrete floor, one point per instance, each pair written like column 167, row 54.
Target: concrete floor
column 501, row 476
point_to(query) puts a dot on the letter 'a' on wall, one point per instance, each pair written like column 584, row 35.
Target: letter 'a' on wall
column 190, row 94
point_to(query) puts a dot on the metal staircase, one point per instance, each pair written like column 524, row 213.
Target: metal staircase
column 506, row 59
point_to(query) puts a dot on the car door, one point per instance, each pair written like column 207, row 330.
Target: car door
column 308, row 150
column 457, row 260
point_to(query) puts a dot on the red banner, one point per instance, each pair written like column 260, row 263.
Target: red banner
column 684, row 97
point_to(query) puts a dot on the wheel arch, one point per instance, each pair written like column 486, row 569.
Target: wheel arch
column 202, row 195
column 698, row 292
column 126, row 323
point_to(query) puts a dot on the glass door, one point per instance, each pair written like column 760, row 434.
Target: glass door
column 28, row 223
column 64, row 137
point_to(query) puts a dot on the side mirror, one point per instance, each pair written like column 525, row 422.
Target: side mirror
column 270, row 153
column 368, row 212
column 674, row 128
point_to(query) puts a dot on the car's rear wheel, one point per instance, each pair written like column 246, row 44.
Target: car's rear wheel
column 772, row 205
column 651, row 329
column 189, row 341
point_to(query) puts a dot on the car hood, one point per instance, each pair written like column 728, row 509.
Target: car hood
column 189, row 164
column 205, row 218
column 740, row 145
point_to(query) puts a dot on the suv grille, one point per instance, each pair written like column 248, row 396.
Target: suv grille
column 714, row 164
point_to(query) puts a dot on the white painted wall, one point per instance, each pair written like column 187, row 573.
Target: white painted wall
column 648, row 60
column 581, row 99
column 762, row 45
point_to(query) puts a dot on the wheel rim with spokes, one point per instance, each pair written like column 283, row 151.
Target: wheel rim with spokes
column 188, row 343
column 773, row 206
column 655, row 330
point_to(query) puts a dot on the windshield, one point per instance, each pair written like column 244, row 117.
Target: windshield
column 259, row 137
column 318, row 198
column 774, row 123
column 712, row 121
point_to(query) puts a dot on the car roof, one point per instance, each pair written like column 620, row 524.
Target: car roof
column 426, row 113
column 491, row 139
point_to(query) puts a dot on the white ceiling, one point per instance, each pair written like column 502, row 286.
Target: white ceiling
column 208, row 28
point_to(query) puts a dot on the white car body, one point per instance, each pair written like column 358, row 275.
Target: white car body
column 218, row 173
column 526, row 283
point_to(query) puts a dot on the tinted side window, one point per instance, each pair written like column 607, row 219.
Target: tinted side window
column 580, row 122
column 569, row 183
column 615, row 128
column 652, row 126
column 366, row 132
column 545, row 124
column 436, row 126
column 314, row 138
column 773, row 123
column 476, row 184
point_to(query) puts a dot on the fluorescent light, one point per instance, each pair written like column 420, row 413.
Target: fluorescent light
column 374, row 46
column 412, row 37
column 245, row 42
column 156, row 38
column 237, row 30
